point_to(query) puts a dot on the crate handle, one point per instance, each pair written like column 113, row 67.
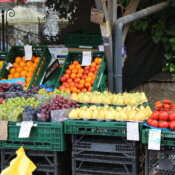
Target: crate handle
column 100, row 80
column 19, row 124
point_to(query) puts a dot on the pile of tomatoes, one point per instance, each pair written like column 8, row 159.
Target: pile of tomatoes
column 164, row 115
column 78, row 78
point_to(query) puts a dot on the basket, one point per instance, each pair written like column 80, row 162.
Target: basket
column 39, row 51
column 100, row 82
column 44, row 136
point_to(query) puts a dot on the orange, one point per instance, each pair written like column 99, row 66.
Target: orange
column 93, row 64
column 68, row 71
column 25, row 68
column 17, row 75
column 23, row 58
column 75, row 62
column 97, row 67
column 66, row 75
column 98, row 60
column 61, row 88
column 74, row 71
column 71, row 84
column 18, row 59
column 22, row 64
column 29, row 79
column 73, row 76
column 35, row 65
column 33, row 58
column 80, row 70
column 87, row 85
column 12, row 70
column 15, row 64
column 88, row 79
column 31, row 69
column 69, row 80
column 77, row 80
column 90, row 74
column 19, row 69
column 67, row 90
column 23, row 73
column 84, row 90
column 71, row 67
column 79, row 75
column 90, row 88
column 82, row 82
column 37, row 59
column 10, row 76
column 29, row 63
column 29, row 74
column 78, row 66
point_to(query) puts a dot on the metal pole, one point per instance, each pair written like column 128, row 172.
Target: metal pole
column 118, row 27
column 3, row 32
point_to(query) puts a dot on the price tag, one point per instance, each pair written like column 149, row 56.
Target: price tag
column 9, row 65
column 154, row 139
column 87, row 58
column 101, row 48
column 3, row 130
column 25, row 129
column 28, row 52
column 132, row 131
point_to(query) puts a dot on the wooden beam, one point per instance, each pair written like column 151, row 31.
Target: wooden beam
column 131, row 8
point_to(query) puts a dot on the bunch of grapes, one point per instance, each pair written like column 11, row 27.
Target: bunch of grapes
column 29, row 113
column 62, row 93
column 44, row 113
column 4, row 87
column 42, row 92
column 15, row 88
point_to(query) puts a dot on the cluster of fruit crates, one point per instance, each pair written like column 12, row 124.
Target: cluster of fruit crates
column 47, row 162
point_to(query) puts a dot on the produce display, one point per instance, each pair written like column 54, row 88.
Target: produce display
column 24, row 69
column 1, row 64
column 109, row 98
column 109, row 113
column 164, row 115
column 79, row 78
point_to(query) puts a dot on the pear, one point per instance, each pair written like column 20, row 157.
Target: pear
column 74, row 114
column 95, row 114
column 131, row 115
column 123, row 116
column 74, row 96
column 109, row 115
column 87, row 115
column 86, row 99
column 101, row 115
column 139, row 116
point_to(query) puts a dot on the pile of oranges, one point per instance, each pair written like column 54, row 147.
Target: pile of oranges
column 80, row 79
column 24, row 69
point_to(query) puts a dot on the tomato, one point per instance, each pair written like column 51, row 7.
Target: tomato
column 92, row 69
column 163, row 124
column 166, row 106
column 158, row 106
column 173, row 106
column 85, row 72
column 154, row 123
column 172, row 125
column 157, row 102
column 87, row 68
column 167, row 101
column 68, row 71
column 148, row 121
column 172, row 116
column 155, row 115
column 163, row 115
column 63, row 79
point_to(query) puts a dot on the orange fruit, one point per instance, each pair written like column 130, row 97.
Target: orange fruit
column 19, row 69
column 82, row 82
column 78, row 66
column 31, row 69
column 29, row 79
column 29, row 75
column 37, row 59
column 93, row 64
column 69, row 80
column 18, row 59
column 68, row 71
column 84, row 90
column 79, row 75
column 16, row 75
column 23, row 58
column 98, row 60
column 75, row 62
column 71, row 84
column 80, row 71
column 12, row 70
column 29, row 63
column 61, row 88
column 87, row 85
column 33, row 58
column 90, row 74
column 73, row 75
column 67, row 90
column 76, row 80
column 74, row 71
column 88, row 79
column 71, row 67
column 35, row 65
column 10, row 76
column 90, row 88
column 15, row 65
column 22, row 64
column 66, row 75
column 97, row 67
column 23, row 73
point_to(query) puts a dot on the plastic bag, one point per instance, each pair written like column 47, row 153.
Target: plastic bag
column 60, row 115
column 21, row 165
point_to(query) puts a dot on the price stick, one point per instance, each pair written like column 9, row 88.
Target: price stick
column 3, row 130
column 154, row 139
column 133, row 131
column 25, row 129
column 28, row 52
column 9, row 65
column 87, row 58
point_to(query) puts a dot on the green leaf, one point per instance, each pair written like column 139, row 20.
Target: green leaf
column 172, row 67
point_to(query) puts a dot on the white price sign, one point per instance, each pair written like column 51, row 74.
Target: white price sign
column 28, row 52
column 87, row 58
column 154, row 139
column 25, row 129
column 133, row 131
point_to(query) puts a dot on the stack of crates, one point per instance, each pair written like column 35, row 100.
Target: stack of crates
column 101, row 148
column 160, row 162
column 47, row 147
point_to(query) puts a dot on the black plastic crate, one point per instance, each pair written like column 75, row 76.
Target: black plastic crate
column 160, row 162
column 89, row 168
column 47, row 162
column 103, row 144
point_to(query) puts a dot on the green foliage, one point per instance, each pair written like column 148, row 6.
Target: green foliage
column 162, row 28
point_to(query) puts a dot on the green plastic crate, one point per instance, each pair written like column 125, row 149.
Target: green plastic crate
column 167, row 137
column 83, row 40
column 39, row 51
column 100, row 82
column 44, row 136
column 96, row 128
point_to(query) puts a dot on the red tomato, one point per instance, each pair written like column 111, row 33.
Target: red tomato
column 154, row 123
column 167, row 101
column 172, row 125
column 166, row 106
column 158, row 106
column 172, row 116
column 148, row 121
column 63, row 79
column 163, row 124
column 155, row 115
column 87, row 68
column 163, row 115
